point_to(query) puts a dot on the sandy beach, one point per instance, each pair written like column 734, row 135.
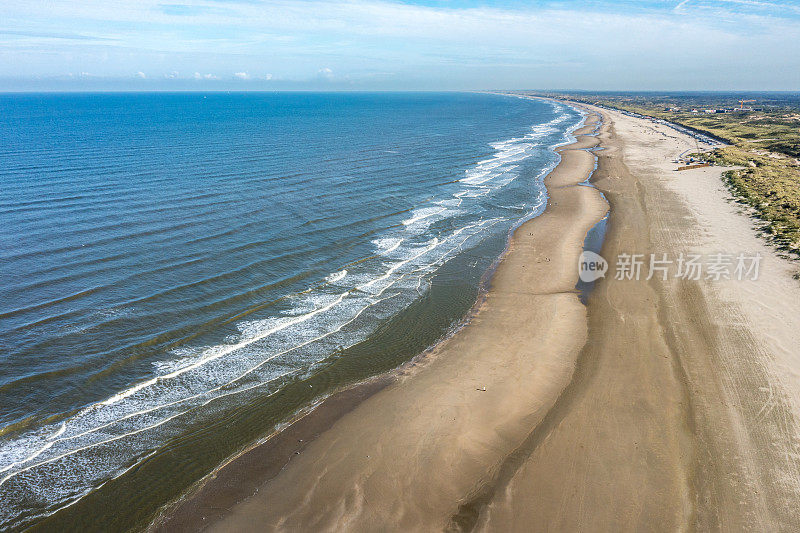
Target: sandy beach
column 661, row 405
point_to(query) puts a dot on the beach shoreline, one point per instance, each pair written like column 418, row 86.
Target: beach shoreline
column 339, row 312
column 239, row 477
column 663, row 403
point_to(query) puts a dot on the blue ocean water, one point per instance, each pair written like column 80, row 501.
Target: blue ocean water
column 165, row 258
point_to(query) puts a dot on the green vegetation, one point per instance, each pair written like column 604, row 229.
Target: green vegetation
column 763, row 139
column 771, row 185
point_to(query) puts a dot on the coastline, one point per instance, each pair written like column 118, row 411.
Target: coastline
column 201, row 440
column 666, row 404
column 239, row 478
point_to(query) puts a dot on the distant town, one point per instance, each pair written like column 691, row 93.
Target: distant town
column 741, row 108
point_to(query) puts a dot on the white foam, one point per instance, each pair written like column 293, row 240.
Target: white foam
column 336, row 276
column 60, row 431
column 387, row 245
column 419, row 215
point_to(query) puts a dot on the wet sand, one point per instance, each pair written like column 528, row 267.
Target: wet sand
column 663, row 405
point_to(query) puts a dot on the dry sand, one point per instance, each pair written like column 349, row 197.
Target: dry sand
column 664, row 405
column 682, row 411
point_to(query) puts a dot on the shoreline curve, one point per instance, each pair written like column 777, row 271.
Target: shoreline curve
column 550, row 286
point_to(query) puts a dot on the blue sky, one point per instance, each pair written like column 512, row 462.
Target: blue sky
column 392, row 45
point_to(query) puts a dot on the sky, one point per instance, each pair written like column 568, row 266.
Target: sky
column 399, row 45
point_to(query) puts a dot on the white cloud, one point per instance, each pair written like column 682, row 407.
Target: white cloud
column 171, row 75
column 556, row 44
column 242, row 75
column 141, row 75
column 678, row 7
column 199, row 76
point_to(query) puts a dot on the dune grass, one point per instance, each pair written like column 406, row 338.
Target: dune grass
column 770, row 185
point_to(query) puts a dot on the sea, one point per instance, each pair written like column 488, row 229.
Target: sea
column 182, row 274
